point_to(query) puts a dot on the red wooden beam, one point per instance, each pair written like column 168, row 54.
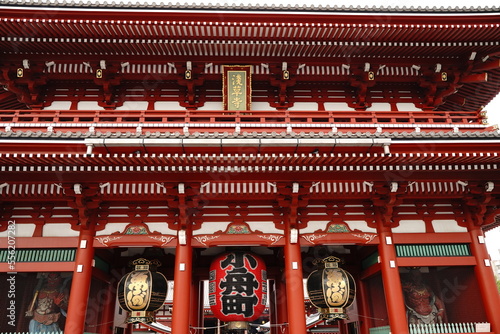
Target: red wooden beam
column 431, row 238
column 42, row 242
column 436, row 261
column 38, row 266
column 475, row 78
column 487, row 66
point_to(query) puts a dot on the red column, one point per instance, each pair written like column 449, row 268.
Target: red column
column 182, row 286
column 485, row 277
column 80, row 285
column 392, row 282
column 294, row 286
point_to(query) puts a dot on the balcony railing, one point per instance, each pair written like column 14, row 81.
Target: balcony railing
column 465, row 327
column 238, row 121
column 380, row 330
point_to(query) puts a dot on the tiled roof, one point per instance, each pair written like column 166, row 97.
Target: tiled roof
column 443, row 135
column 249, row 7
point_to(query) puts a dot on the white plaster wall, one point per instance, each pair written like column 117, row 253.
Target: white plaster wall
column 59, row 105
column 21, row 230
column 360, row 225
column 213, row 105
column 380, row 106
column 160, row 227
column 407, row 107
column 307, row 106
column 59, row 230
column 410, row 226
column 88, row 105
column 133, row 105
column 265, row 227
column 314, row 225
column 112, row 228
column 446, row 226
column 168, row 105
column 210, row 228
column 337, row 106
column 263, row 106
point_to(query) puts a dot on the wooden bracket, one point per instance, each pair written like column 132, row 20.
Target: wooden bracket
column 29, row 88
column 86, row 199
column 283, row 80
column 387, row 197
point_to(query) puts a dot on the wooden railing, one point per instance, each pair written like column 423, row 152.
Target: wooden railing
column 465, row 327
column 380, row 330
column 237, row 121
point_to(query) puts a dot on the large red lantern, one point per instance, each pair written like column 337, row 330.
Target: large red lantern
column 330, row 288
column 143, row 291
column 238, row 288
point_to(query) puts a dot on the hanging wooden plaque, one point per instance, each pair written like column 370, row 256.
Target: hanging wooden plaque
column 236, row 90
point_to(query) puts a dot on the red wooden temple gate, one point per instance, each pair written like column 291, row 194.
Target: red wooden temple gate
column 179, row 133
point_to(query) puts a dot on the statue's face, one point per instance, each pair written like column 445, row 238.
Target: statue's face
column 416, row 276
column 53, row 280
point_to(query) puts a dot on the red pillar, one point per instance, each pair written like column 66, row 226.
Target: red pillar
column 485, row 277
column 80, row 285
column 294, row 286
column 182, row 286
column 392, row 282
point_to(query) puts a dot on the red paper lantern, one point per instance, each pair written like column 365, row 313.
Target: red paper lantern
column 238, row 288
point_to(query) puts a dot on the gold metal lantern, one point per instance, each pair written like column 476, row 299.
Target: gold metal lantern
column 330, row 288
column 142, row 291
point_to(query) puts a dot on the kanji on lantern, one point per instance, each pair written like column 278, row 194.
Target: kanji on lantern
column 238, row 287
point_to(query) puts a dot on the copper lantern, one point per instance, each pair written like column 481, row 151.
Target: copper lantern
column 238, row 288
column 142, row 291
column 330, row 288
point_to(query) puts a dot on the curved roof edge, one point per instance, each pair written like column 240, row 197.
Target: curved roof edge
column 79, row 4
column 440, row 135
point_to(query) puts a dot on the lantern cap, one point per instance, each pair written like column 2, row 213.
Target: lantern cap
column 145, row 264
column 327, row 262
column 238, row 325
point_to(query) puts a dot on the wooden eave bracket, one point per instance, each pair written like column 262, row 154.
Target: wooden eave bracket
column 86, row 199
column 191, row 99
column 361, row 86
column 282, row 83
column 6, row 212
column 387, row 197
column 483, row 205
column 28, row 88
